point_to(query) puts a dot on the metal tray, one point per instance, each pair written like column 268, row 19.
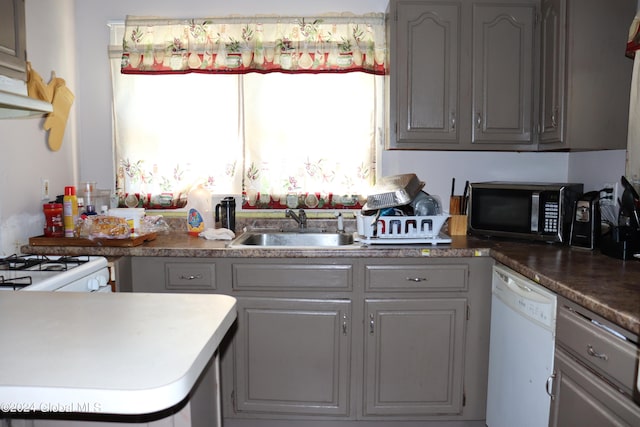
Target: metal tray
column 395, row 190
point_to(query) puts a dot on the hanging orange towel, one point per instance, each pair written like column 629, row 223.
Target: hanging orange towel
column 56, row 121
column 36, row 87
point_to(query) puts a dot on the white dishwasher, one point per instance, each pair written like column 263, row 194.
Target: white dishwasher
column 523, row 321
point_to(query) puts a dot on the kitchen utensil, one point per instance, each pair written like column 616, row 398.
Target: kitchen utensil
column 425, row 204
column 455, row 205
column 226, row 213
column 393, row 191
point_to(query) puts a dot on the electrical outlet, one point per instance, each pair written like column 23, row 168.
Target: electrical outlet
column 44, row 189
column 611, row 192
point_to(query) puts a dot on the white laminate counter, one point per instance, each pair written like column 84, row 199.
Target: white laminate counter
column 113, row 353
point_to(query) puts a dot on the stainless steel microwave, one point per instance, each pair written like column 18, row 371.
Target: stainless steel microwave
column 523, row 210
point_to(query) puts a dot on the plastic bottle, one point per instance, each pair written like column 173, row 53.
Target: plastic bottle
column 200, row 211
column 70, row 211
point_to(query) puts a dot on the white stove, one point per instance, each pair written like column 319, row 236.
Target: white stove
column 54, row 273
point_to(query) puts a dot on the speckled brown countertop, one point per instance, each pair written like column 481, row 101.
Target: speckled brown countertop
column 607, row 286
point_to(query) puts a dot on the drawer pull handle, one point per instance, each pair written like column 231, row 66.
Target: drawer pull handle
column 593, row 353
column 344, row 324
column 371, row 324
column 191, row 277
column 416, row 279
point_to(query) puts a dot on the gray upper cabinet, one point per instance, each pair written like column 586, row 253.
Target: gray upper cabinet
column 462, row 75
column 552, row 70
column 585, row 76
column 508, row 75
column 426, row 78
column 13, row 49
column 503, row 81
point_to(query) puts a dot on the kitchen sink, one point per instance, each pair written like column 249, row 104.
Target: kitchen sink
column 292, row 239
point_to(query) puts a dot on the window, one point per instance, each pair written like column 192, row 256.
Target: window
column 281, row 139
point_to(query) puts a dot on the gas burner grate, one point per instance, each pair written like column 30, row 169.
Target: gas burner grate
column 41, row 262
column 15, row 283
column 21, row 262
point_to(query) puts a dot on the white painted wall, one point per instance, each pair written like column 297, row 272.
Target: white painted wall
column 71, row 37
column 24, row 155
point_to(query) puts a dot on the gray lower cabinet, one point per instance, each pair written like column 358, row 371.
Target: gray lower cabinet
column 335, row 340
column 594, row 371
column 413, row 360
column 292, row 356
column 582, row 398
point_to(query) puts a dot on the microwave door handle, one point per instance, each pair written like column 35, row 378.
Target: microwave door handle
column 535, row 209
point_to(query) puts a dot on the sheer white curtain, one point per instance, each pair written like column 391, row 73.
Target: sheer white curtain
column 282, row 140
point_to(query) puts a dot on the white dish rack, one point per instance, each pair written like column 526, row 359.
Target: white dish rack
column 401, row 229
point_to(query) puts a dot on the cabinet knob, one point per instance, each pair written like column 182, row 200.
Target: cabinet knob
column 453, row 120
column 191, row 277
column 416, row 279
column 478, row 120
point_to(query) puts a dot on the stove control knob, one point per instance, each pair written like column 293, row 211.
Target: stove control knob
column 95, row 283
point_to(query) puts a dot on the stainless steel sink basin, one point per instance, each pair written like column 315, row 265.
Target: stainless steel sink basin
column 292, row 239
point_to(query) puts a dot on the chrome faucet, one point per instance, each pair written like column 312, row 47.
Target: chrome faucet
column 300, row 218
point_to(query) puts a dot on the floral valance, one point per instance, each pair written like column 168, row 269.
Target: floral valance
column 325, row 44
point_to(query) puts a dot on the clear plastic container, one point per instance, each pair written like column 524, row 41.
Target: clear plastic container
column 133, row 216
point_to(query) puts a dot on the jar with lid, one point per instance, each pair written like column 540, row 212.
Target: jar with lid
column 54, row 225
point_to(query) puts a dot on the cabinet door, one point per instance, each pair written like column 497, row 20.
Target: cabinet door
column 13, row 49
column 503, row 79
column 414, row 356
column 552, row 71
column 582, row 399
column 425, row 72
column 292, row 356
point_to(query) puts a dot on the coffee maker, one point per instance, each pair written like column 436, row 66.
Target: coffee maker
column 586, row 227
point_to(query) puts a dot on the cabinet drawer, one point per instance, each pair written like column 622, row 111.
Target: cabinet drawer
column 190, row 276
column 417, row 277
column 610, row 355
column 292, row 276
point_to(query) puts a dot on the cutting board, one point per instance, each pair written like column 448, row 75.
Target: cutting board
column 82, row 241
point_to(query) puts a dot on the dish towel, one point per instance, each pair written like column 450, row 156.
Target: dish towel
column 218, row 234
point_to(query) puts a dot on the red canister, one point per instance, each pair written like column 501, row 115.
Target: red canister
column 54, row 225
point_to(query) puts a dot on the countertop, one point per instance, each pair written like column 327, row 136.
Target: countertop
column 607, row 286
column 111, row 353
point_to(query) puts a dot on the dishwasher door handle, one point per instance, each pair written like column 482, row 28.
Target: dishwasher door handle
column 549, row 385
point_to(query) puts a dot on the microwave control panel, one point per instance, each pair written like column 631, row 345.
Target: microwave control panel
column 550, row 220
